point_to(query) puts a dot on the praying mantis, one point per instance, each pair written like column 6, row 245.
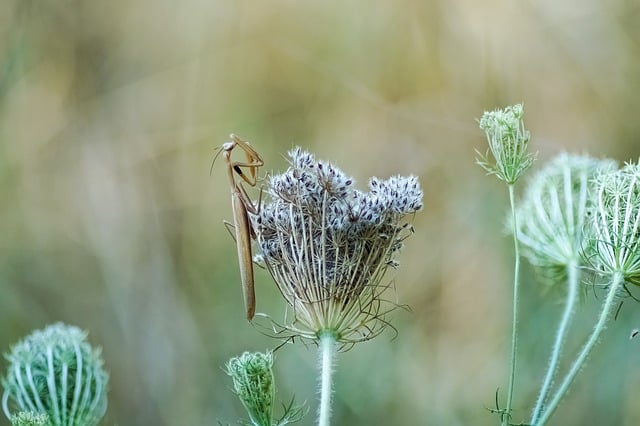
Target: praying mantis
column 242, row 206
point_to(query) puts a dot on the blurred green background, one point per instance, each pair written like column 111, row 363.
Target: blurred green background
column 109, row 219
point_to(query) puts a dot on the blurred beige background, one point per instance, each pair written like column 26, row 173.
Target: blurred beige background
column 109, row 116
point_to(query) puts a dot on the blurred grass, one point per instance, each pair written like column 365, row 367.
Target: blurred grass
column 109, row 115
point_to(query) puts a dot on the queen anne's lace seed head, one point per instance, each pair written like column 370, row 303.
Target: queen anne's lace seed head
column 614, row 245
column 553, row 213
column 328, row 245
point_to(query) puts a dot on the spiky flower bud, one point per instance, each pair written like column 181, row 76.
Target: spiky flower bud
column 508, row 140
column 553, row 213
column 55, row 371
column 253, row 382
column 615, row 227
column 328, row 245
column 252, row 376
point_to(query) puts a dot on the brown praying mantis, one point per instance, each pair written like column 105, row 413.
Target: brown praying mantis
column 242, row 206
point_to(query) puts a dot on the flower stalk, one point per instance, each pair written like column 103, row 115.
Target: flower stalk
column 514, row 319
column 605, row 313
column 561, row 334
column 508, row 143
column 327, row 360
column 553, row 216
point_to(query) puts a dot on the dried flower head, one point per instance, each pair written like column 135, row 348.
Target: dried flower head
column 508, row 140
column 56, row 372
column 253, row 382
column 553, row 213
column 615, row 227
column 328, row 245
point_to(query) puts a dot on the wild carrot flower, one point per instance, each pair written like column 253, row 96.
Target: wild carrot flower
column 253, row 382
column 508, row 141
column 328, row 245
column 553, row 214
column 615, row 230
column 613, row 249
column 551, row 224
column 56, row 372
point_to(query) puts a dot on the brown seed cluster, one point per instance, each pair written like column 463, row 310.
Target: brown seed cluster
column 327, row 244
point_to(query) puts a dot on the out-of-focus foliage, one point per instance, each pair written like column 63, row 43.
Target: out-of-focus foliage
column 109, row 115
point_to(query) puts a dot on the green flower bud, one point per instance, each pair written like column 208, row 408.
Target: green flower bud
column 508, row 140
column 253, row 382
column 56, row 372
column 252, row 376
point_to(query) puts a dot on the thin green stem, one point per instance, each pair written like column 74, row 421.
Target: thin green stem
column 572, row 296
column 514, row 322
column 607, row 309
column 327, row 356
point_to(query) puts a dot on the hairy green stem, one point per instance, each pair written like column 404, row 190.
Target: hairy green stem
column 607, row 309
column 514, row 322
column 572, row 296
column 327, row 355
